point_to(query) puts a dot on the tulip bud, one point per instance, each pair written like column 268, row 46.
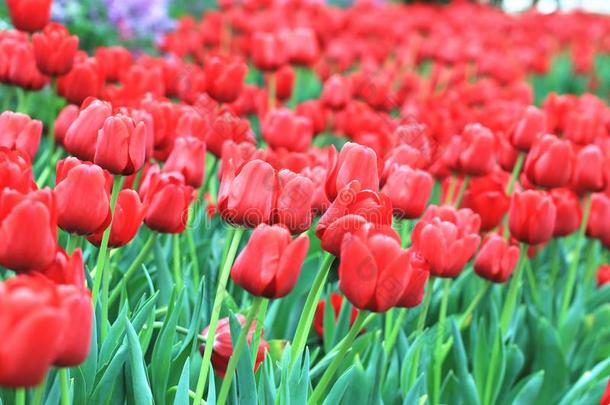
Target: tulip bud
column 496, row 259
column 284, row 82
column 113, row 61
column 64, row 119
column 121, row 145
column 336, row 92
column 549, row 163
column 532, row 124
column 474, row 151
column 294, row 200
column 531, row 217
column 336, row 301
column 167, row 199
column 313, row 110
column 29, row 15
column 599, row 218
column 84, row 80
column 418, row 274
column 355, row 162
column 487, row 197
column 188, row 158
column 568, row 212
column 302, row 44
column 20, row 132
column 268, row 51
column 54, row 50
column 224, row 78
column 16, row 171
column 284, row 129
column 81, row 136
column 128, row 216
column 591, row 170
column 409, row 190
column 228, row 127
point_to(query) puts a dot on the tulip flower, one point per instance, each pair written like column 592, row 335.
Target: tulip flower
column 20, row 132
column 188, row 158
column 16, row 171
column 284, row 129
column 21, row 68
column 603, row 275
column 591, row 170
column 64, row 120
column 371, row 271
column 224, row 78
column 82, row 196
column 228, row 127
column 121, row 145
column 568, row 212
column 28, row 229
column 496, row 259
column 531, row 217
column 336, row 301
column 486, row 196
column 167, row 199
column 317, row 175
column 302, row 45
column 550, row 161
column 68, row 273
column 31, row 329
column 418, row 274
column 126, row 220
column 355, row 162
column 293, row 207
column 223, row 346
column 473, row 152
column 54, row 49
column 313, row 110
column 336, row 92
column 247, row 194
column 530, row 126
column 268, row 51
column 81, row 137
column 409, row 190
column 599, row 218
column 29, row 15
column 270, row 264
column 350, row 211
column 284, row 82
column 453, row 232
column 113, row 61
column 85, row 79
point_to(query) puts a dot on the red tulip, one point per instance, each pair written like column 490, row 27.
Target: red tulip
column 31, row 328
column 605, row 400
column 284, row 129
column 29, row 15
column 350, row 211
column 224, row 78
column 113, row 61
column 121, row 145
column 317, row 175
column 419, row 273
column 496, row 259
column 486, row 196
column 54, row 50
column 603, row 275
column 270, row 264
column 599, row 218
column 69, row 275
column 21, row 67
column 473, row 152
column 447, row 239
column 568, row 212
column 64, row 119
column 81, row 136
column 355, row 162
column 228, row 127
column 336, row 92
column 188, row 158
column 371, row 271
column 85, row 79
column 409, row 190
column 268, row 51
column 16, row 171
column 28, row 229
column 531, row 217
column 336, row 301
column 128, row 216
column 313, row 110
column 167, row 198
column 549, row 163
column 293, row 207
column 532, row 124
column 302, row 45
column 591, row 170
column 284, row 82
column 223, row 345
column 82, row 197
column 20, row 132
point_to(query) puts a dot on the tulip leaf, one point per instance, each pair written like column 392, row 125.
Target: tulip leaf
column 529, row 389
column 113, row 339
column 416, row 391
column 338, row 389
column 469, row 389
column 343, row 322
column 550, row 358
column 141, row 387
column 182, row 393
column 109, row 380
column 329, row 325
column 245, row 383
column 84, row 374
column 164, row 278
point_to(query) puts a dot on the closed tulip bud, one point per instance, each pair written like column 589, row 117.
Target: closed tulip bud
column 270, row 264
column 355, row 162
column 268, row 51
column 82, row 197
column 350, row 211
column 81, row 137
column 64, row 119
column 372, row 269
column 293, row 207
column 22, row 70
column 121, row 145
column 224, row 78
column 409, row 190
column 531, row 217
column 336, row 301
column 599, row 218
column 591, row 170
column 239, row 154
column 550, row 161
column 167, row 198
column 284, row 82
column 453, row 232
column 28, row 229
column 84, row 80
column 529, row 127
column 317, row 175
column 314, row 110
column 68, row 273
column 223, row 345
column 282, row 128
column 302, row 44
column 16, row 171
column 228, row 127
column 477, row 156
column 127, row 219
column 247, row 194
column 54, row 49
column 29, row 15
column 496, row 259
column 487, row 197
column 31, row 329
column 418, row 274
column 336, row 92
column 568, row 212
column 188, row 157
column 20, row 132
column 113, row 61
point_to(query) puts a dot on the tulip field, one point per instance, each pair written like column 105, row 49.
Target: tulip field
column 298, row 202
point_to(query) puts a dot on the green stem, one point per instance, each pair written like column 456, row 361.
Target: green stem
column 260, row 322
column 39, row 392
column 438, row 348
column 134, row 267
column 73, row 243
column 591, row 266
column 391, row 340
column 235, row 237
column 195, row 270
column 580, row 237
column 473, row 305
column 320, row 389
column 515, row 173
column 20, row 396
column 237, row 350
column 461, row 192
column 421, row 320
column 405, row 227
column 513, row 291
column 451, row 191
column 51, row 130
column 304, row 325
column 64, row 380
column 555, row 261
column 177, row 261
column 531, row 280
column 102, row 277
